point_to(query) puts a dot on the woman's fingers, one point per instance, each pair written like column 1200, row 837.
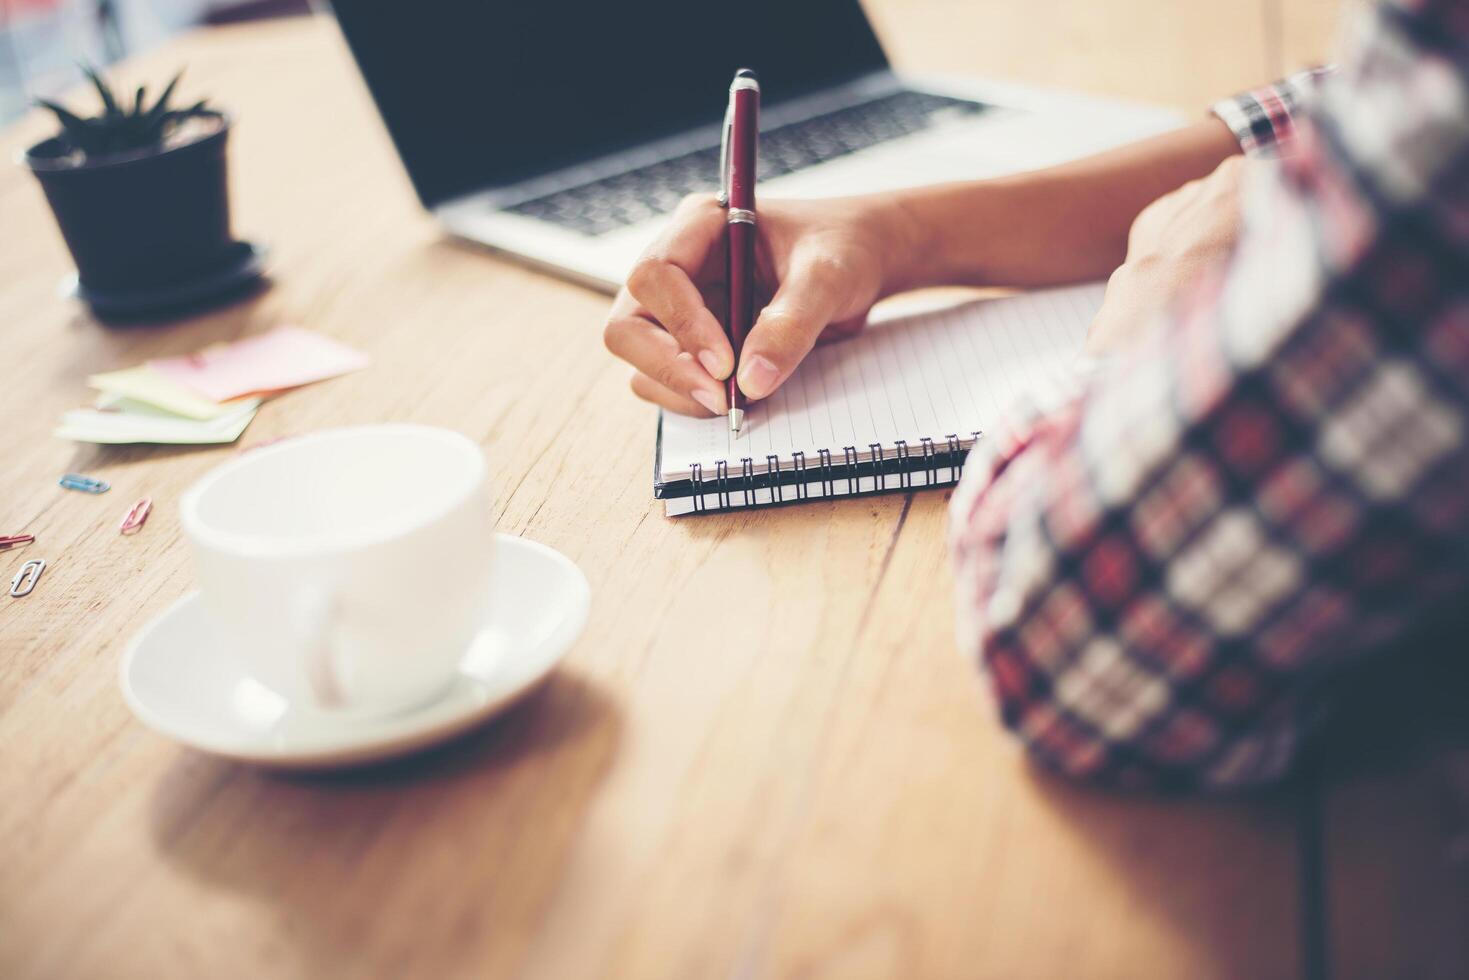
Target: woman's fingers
column 814, row 293
column 663, row 281
column 651, row 391
column 662, row 323
column 657, row 356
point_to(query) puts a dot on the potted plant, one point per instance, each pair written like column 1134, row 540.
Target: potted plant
column 140, row 194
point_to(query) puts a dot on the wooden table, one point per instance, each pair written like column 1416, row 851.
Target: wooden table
column 809, row 787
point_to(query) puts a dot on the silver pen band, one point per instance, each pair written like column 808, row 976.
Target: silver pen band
column 740, row 216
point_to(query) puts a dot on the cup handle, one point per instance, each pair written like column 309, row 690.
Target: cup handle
column 316, row 618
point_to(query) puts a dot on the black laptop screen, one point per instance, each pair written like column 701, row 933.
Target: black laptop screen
column 479, row 94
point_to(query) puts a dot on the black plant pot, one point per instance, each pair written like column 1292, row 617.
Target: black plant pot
column 150, row 220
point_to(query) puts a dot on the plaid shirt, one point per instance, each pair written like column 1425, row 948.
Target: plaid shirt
column 1165, row 574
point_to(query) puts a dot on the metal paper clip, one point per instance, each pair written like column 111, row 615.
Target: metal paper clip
column 25, row 580
column 13, row 540
column 75, row 481
column 132, row 521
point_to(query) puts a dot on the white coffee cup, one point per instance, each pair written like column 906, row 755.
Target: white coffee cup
column 348, row 570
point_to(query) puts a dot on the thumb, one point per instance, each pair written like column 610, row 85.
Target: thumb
column 811, row 297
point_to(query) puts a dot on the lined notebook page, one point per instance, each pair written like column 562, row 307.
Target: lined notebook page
column 928, row 375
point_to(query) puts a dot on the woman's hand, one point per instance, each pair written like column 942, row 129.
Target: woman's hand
column 1174, row 240
column 820, row 265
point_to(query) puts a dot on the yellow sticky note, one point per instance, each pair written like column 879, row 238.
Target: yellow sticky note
column 145, row 385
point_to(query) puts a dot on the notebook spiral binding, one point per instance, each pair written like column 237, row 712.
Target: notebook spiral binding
column 843, row 479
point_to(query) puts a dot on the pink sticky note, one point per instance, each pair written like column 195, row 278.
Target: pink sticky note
column 283, row 358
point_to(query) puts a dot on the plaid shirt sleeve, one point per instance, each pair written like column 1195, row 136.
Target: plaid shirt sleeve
column 1263, row 119
column 1165, row 574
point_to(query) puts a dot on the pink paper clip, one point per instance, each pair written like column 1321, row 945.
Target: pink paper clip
column 132, row 521
column 13, row 540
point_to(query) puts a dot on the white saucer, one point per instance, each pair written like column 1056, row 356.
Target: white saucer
column 178, row 684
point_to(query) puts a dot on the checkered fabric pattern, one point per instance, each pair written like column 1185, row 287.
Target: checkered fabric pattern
column 1165, row 575
column 1263, row 119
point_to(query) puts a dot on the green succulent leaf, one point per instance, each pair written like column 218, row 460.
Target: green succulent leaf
column 109, row 104
column 113, row 116
column 161, row 106
column 199, row 108
column 76, row 132
column 68, row 119
column 120, row 127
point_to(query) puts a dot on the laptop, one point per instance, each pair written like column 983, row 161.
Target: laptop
column 564, row 133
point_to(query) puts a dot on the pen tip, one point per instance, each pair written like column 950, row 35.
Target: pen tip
column 736, row 421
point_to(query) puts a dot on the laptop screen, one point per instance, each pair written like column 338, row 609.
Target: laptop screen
column 479, row 94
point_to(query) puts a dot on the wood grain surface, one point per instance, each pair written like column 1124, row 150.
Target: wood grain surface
column 806, row 783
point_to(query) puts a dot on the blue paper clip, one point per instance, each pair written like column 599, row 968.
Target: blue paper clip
column 75, row 481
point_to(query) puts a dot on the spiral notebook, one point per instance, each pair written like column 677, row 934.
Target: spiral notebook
column 894, row 409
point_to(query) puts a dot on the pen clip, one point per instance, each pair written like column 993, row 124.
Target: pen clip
column 724, row 160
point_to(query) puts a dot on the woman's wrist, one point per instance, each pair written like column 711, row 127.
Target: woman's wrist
column 1066, row 223
column 941, row 235
column 908, row 240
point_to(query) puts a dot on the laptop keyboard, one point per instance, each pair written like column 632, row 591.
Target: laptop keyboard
column 637, row 195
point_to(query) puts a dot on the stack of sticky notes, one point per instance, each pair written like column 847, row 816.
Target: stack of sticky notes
column 209, row 396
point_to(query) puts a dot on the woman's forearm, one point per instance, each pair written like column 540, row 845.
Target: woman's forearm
column 1067, row 223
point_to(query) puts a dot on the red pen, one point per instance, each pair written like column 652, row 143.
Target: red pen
column 737, row 194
